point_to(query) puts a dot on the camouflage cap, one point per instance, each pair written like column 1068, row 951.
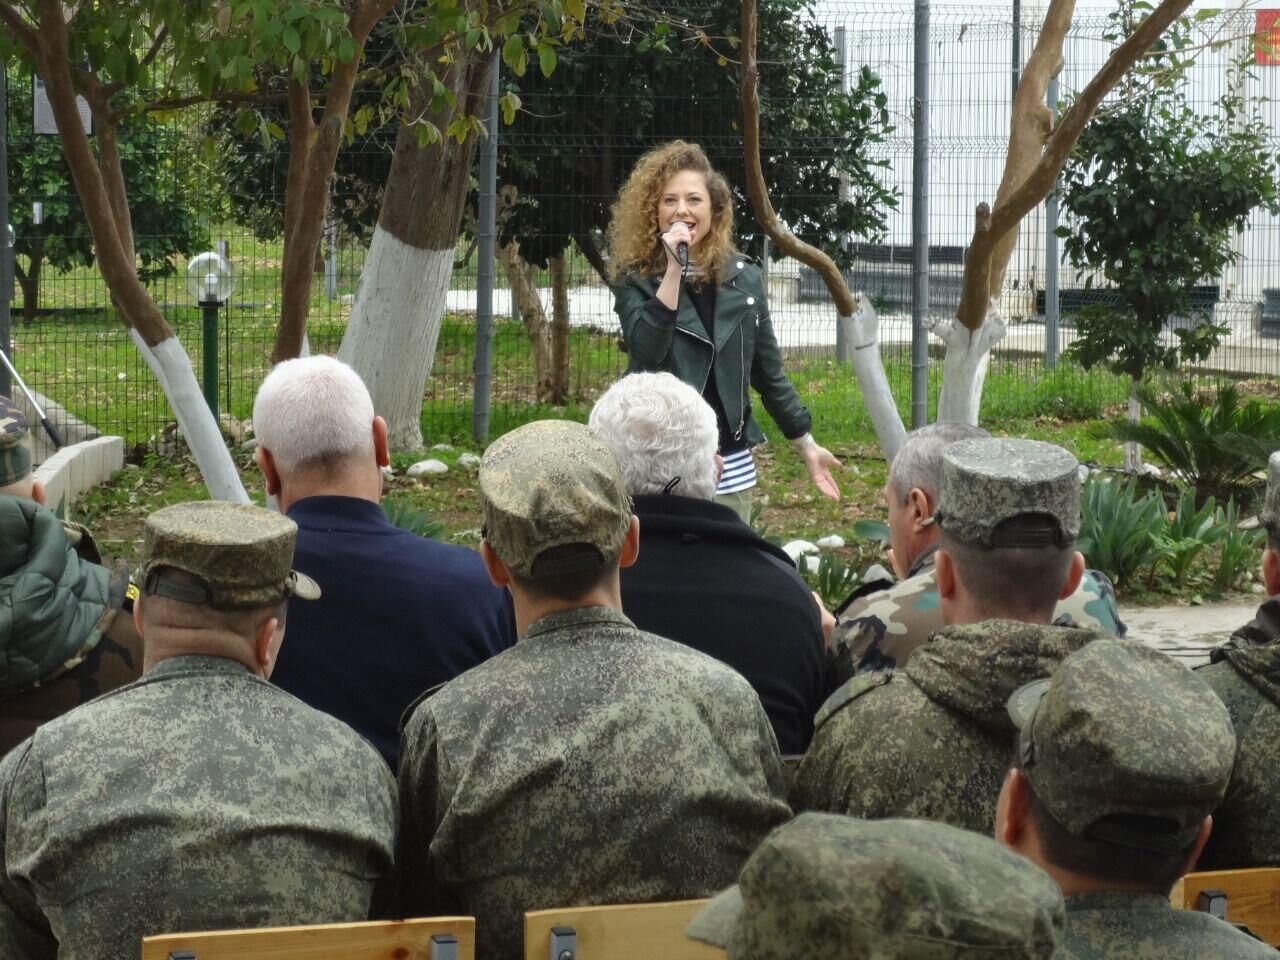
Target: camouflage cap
column 239, row 553
column 552, row 483
column 15, row 455
column 990, row 481
column 1125, row 745
column 827, row 887
column 1270, row 515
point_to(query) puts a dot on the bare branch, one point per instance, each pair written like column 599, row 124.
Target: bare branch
column 26, row 34
column 975, row 299
column 783, row 238
column 161, row 35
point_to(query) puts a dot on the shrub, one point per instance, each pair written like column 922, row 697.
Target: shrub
column 1120, row 531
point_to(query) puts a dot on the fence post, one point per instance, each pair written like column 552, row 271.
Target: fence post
column 920, row 223
column 843, row 354
column 6, row 251
column 1051, row 251
column 488, row 225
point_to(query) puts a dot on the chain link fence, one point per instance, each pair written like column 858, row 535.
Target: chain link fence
column 70, row 347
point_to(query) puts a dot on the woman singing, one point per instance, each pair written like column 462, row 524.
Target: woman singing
column 707, row 324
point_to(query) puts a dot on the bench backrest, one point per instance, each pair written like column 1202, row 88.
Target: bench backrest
column 1252, row 897
column 425, row 939
column 632, row 932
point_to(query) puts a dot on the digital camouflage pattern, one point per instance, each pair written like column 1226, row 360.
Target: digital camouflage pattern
column 986, row 482
column 931, row 741
column 1080, row 752
column 548, row 484
column 15, row 455
column 881, row 630
column 825, row 887
column 1143, row 926
column 1269, row 517
column 591, row 763
column 1246, row 831
column 241, row 552
column 198, row 798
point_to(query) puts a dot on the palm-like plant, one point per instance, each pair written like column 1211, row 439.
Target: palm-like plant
column 1216, row 444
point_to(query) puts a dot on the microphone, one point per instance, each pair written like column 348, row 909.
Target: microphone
column 682, row 254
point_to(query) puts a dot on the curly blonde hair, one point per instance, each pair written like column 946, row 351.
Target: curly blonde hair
column 633, row 224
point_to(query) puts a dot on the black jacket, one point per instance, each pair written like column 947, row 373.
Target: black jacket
column 707, row 580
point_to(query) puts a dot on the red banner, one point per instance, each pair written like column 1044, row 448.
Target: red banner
column 1267, row 38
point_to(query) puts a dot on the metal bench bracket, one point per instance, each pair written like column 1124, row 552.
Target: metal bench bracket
column 564, row 943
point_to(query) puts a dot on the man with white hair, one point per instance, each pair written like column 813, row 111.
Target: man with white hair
column 399, row 614
column 703, row 576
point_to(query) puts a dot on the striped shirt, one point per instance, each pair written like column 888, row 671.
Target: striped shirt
column 739, row 472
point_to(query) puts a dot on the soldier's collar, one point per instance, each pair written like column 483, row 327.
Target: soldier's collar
column 577, row 617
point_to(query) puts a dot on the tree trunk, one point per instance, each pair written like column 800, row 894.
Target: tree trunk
column 559, row 330
column 29, row 281
column 522, row 277
column 863, row 331
column 1132, row 451
column 100, row 186
column 964, row 367
column 395, row 321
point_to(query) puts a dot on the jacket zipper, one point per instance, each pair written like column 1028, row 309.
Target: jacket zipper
column 707, row 376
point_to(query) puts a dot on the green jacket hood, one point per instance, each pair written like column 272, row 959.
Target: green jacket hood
column 51, row 601
column 975, row 668
column 1259, row 664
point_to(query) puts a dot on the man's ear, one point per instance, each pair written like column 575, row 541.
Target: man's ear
column 1206, row 828
column 381, row 449
column 944, row 571
column 137, row 614
column 921, row 509
column 37, row 493
column 265, row 646
column 267, row 464
column 1012, row 809
column 631, row 545
column 499, row 575
column 1271, row 571
column 1074, row 573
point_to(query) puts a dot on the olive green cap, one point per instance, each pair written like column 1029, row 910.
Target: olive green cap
column 239, row 553
column 15, row 455
column 1125, row 745
column 1270, row 515
column 988, row 482
column 553, row 483
column 826, row 887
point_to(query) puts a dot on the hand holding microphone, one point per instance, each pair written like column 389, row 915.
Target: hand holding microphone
column 676, row 241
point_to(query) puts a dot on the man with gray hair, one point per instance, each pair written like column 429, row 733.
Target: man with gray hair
column 699, row 564
column 880, row 627
column 399, row 613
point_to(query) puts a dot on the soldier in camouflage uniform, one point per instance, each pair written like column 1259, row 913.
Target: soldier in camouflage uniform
column 69, row 635
column 1245, row 673
column 199, row 797
column 931, row 741
column 1121, row 759
column 824, row 887
column 884, row 623
column 592, row 762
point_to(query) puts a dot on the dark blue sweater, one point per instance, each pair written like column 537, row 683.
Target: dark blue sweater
column 399, row 614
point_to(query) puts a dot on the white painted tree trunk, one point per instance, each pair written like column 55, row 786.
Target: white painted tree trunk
column 169, row 362
column 395, row 322
column 964, row 368
column 1132, row 451
column 863, row 332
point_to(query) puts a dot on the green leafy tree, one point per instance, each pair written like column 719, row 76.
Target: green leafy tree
column 154, row 174
column 1152, row 194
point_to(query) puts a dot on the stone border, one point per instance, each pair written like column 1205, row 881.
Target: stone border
column 71, row 471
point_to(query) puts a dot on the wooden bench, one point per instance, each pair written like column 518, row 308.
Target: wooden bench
column 645, row 931
column 436, row 938
column 1250, row 897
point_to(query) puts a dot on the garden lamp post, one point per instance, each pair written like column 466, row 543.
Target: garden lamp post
column 210, row 281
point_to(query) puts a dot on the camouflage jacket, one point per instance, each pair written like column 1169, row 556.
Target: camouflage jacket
column 199, row 797
column 881, row 630
column 1246, row 675
column 932, row 741
column 590, row 763
column 1137, row 926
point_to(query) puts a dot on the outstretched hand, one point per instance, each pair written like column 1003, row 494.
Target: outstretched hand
column 819, row 461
